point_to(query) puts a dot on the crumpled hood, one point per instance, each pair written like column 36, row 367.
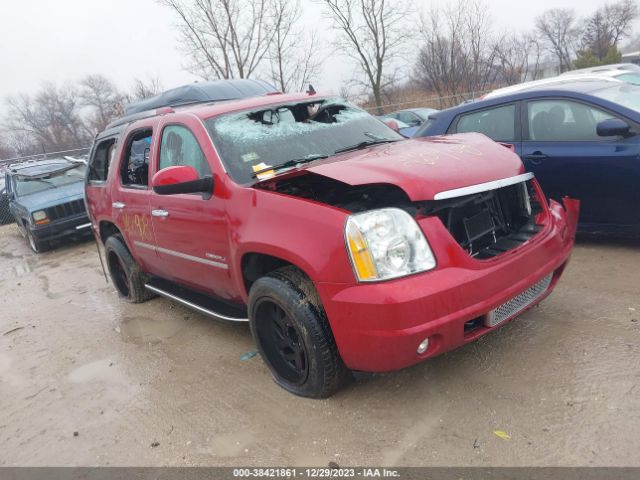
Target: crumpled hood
column 425, row 166
column 53, row 196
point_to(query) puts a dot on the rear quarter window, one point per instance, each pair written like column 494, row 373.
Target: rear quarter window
column 101, row 160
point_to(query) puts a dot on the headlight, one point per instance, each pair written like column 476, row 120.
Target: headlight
column 39, row 216
column 385, row 244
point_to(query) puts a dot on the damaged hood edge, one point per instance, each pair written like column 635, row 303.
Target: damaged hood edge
column 421, row 167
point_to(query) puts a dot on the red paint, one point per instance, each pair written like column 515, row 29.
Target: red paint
column 425, row 166
column 377, row 326
column 174, row 175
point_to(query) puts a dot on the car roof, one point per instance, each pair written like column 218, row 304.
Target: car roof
column 615, row 67
column 205, row 111
column 212, row 91
column 41, row 167
column 582, row 83
column 189, row 95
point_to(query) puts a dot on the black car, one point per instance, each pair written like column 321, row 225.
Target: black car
column 46, row 198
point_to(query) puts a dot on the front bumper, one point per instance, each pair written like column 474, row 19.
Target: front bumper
column 378, row 327
column 75, row 225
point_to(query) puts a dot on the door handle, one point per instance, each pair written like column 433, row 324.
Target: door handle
column 536, row 157
column 159, row 213
column 118, row 205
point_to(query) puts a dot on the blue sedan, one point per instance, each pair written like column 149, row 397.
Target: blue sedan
column 580, row 138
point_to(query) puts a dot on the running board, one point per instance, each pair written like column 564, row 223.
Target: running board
column 196, row 301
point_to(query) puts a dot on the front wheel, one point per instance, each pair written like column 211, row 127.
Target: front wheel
column 293, row 335
column 125, row 273
column 38, row 246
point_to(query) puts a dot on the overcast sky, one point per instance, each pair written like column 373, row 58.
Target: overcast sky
column 64, row 40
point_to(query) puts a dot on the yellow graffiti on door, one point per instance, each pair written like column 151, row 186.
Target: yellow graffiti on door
column 137, row 225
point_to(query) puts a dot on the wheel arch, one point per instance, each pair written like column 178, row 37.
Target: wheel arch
column 107, row 229
column 255, row 265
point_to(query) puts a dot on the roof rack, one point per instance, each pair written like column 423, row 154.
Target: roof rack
column 201, row 92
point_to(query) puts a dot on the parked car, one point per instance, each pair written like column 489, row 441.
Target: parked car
column 46, row 198
column 614, row 67
column 413, row 117
column 550, row 82
column 343, row 247
column 580, row 138
column 399, row 126
column 632, row 77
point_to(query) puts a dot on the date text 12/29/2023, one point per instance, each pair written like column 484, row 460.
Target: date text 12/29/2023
column 317, row 472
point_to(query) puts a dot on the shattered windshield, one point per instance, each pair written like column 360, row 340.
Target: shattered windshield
column 254, row 140
column 30, row 185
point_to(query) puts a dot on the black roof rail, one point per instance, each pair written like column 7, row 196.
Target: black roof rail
column 201, row 92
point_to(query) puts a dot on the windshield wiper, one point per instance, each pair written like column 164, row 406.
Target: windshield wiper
column 375, row 140
column 292, row 163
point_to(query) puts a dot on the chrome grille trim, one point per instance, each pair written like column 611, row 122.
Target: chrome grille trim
column 483, row 187
column 518, row 303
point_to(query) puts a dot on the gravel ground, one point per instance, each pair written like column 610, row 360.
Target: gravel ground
column 86, row 379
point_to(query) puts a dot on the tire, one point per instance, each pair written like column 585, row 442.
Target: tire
column 37, row 246
column 293, row 336
column 125, row 273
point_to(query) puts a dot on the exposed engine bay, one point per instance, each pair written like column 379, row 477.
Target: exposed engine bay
column 485, row 224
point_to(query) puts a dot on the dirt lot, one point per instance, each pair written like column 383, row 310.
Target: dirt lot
column 86, row 379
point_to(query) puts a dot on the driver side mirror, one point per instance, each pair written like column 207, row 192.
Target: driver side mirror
column 613, row 127
column 181, row 179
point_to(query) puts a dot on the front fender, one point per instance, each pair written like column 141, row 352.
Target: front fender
column 307, row 234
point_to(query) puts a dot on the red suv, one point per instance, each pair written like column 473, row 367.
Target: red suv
column 344, row 246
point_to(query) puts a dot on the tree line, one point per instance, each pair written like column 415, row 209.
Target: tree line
column 65, row 117
column 451, row 52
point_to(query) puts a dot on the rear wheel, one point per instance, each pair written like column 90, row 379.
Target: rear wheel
column 125, row 273
column 293, row 335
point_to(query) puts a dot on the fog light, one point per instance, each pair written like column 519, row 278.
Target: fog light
column 423, row 346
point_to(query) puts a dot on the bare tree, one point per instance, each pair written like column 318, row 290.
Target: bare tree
column 225, row 38
column 103, row 98
column 458, row 54
column 518, row 58
column 6, row 149
column 294, row 54
column 51, row 118
column 558, row 29
column 372, row 32
column 607, row 27
column 143, row 89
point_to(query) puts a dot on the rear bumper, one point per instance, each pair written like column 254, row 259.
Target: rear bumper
column 378, row 327
column 65, row 227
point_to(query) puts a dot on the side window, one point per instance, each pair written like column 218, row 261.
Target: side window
column 101, row 160
column 408, row 118
column 135, row 167
column 180, row 147
column 496, row 123
column 564, row 121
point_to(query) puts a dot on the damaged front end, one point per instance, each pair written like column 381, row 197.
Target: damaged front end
column 485, row 220
column 491, row 221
